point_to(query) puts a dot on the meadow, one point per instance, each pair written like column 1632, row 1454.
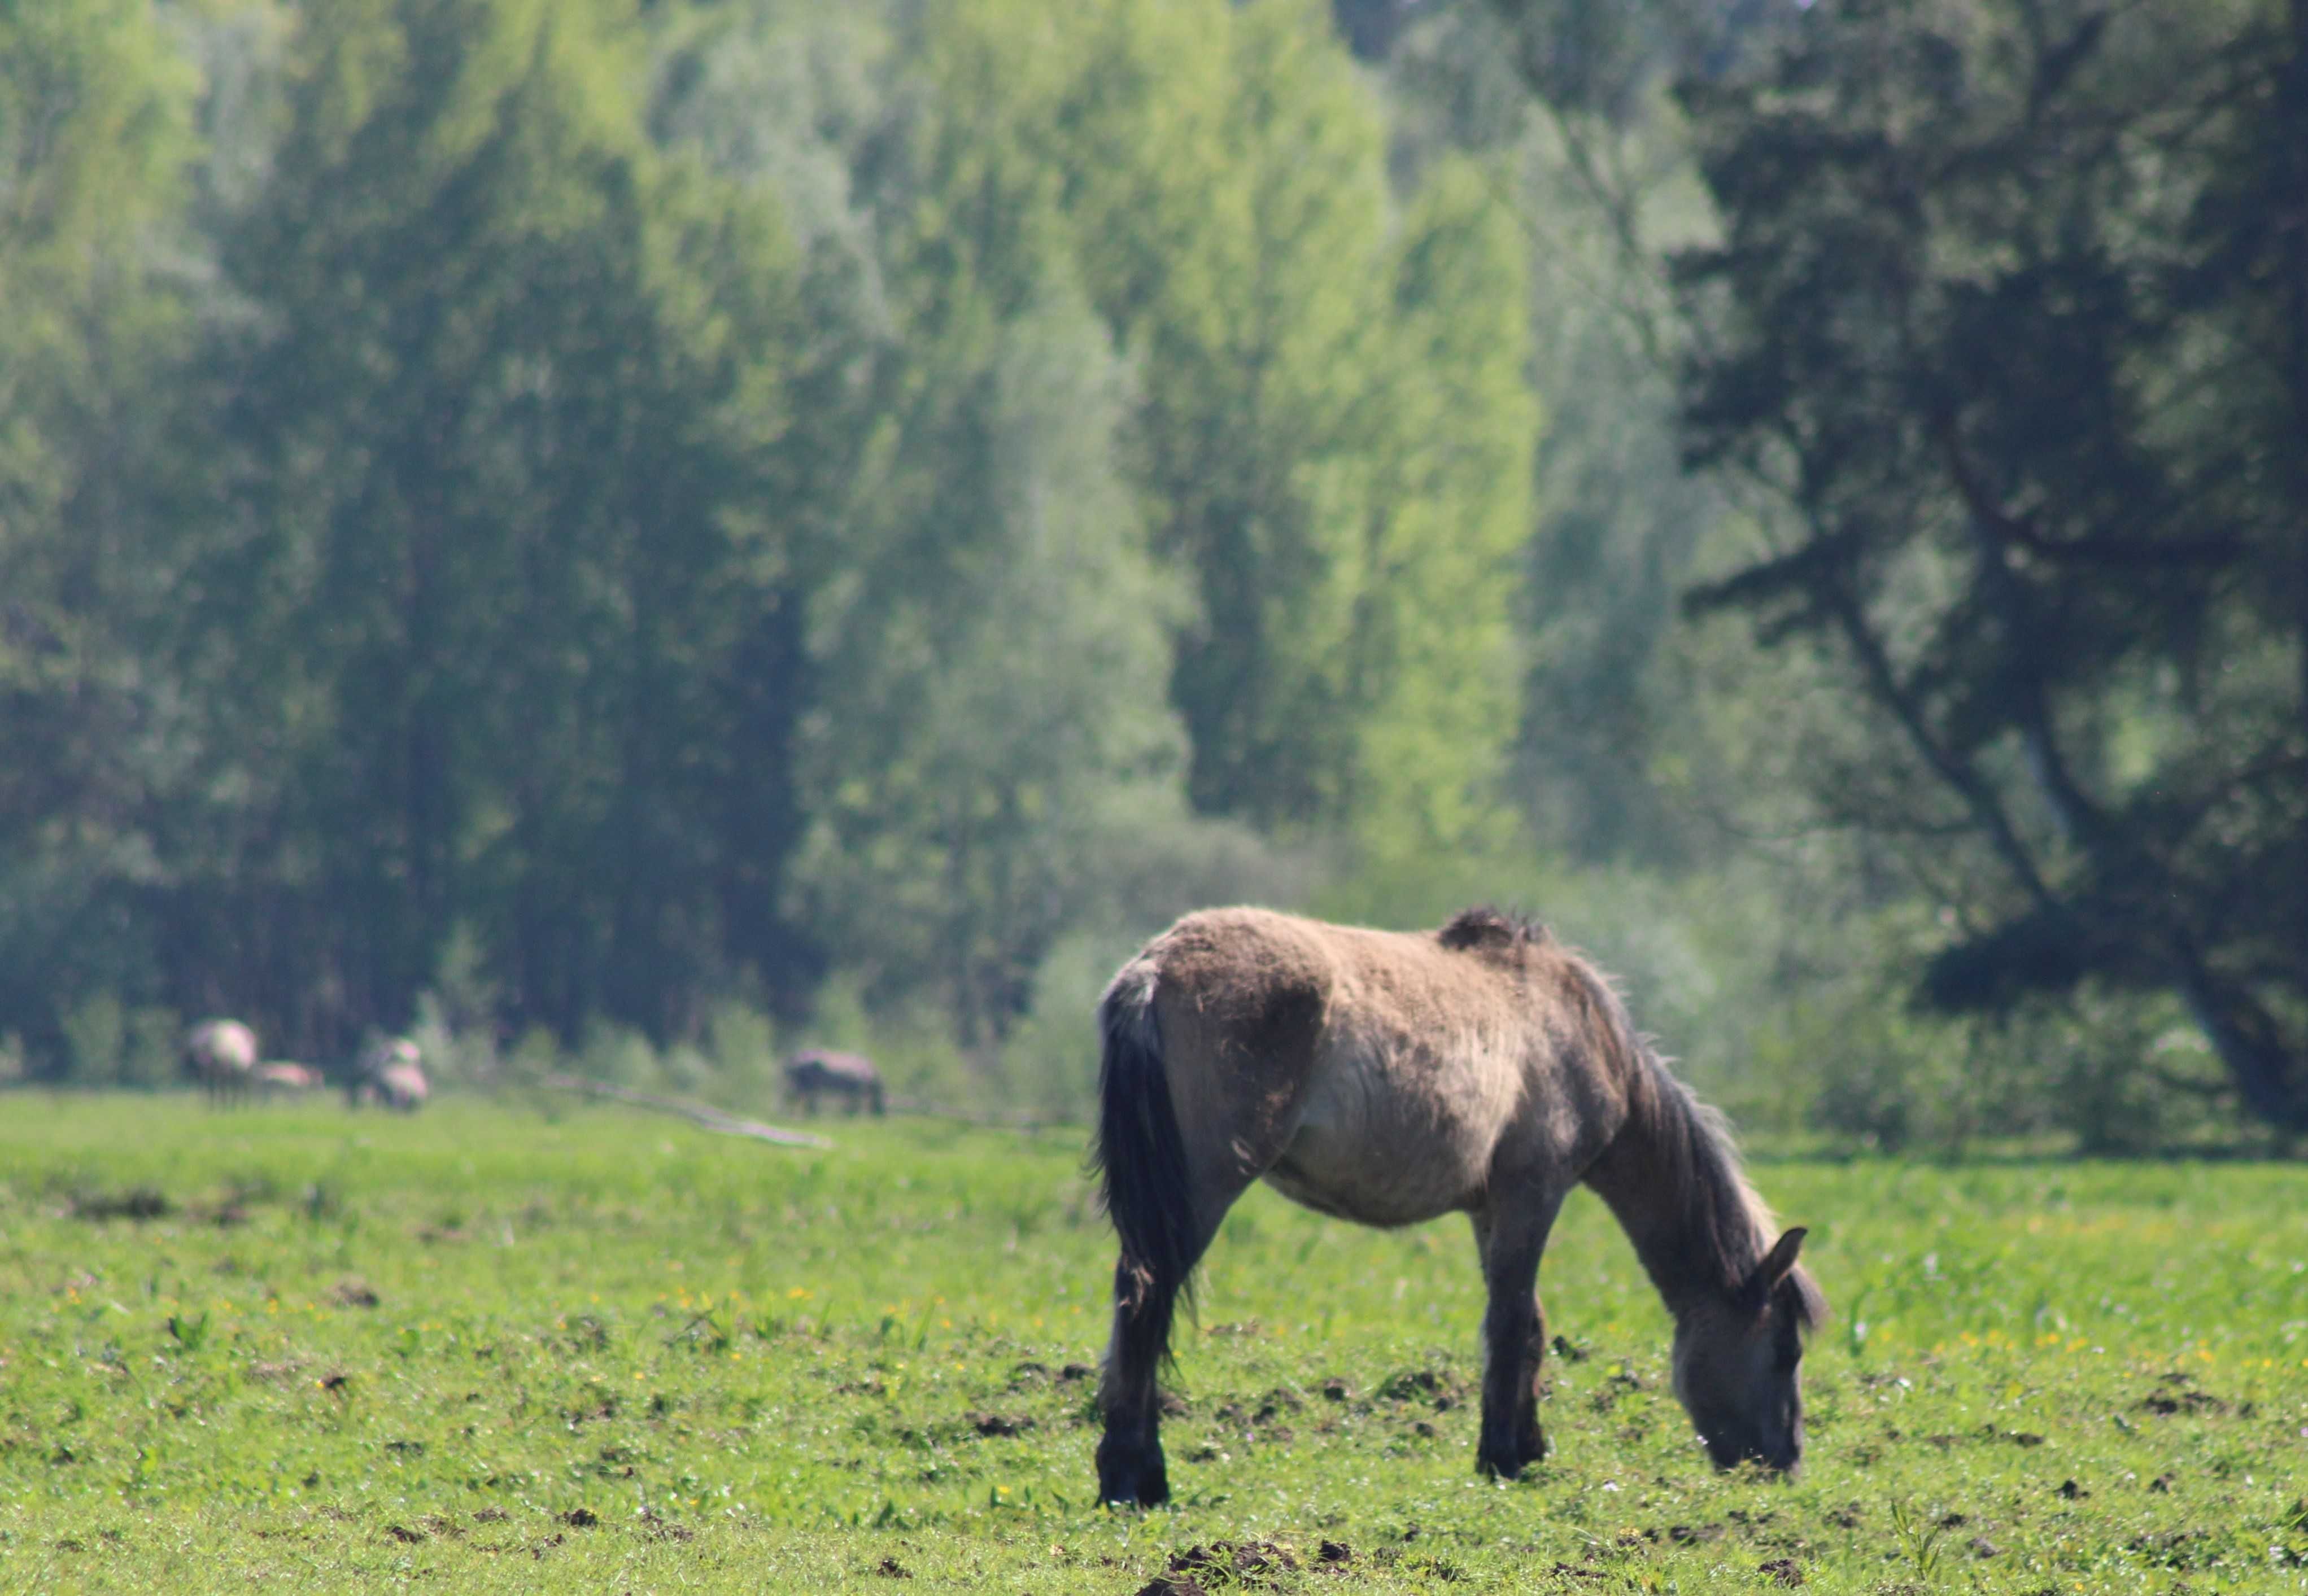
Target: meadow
column 526, row 1345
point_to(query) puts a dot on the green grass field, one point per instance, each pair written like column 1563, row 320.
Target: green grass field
column 494, row 1348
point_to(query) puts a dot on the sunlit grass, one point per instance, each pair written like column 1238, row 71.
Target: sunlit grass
column 490, row 1349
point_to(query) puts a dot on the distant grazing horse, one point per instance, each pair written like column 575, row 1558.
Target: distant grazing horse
column 1389, row 1077
column 220, row 1054
column 389, row 1073
column 280, row 1078
column 850, row 1076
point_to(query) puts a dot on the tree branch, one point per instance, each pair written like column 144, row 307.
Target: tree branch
column 1957, row 773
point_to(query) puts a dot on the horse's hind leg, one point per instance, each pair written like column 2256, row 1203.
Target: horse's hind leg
column 1173, row 1157
column 1129, row 1464
column 1512, row 1237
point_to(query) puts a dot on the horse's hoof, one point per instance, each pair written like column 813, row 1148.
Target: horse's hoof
column 1150, row 1488
column 1130, row 1500
column 1133, row 1483
column 1131, row 1474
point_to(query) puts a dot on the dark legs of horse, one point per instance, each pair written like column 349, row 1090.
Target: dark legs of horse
column 1514, row 1336
column 1130, row 1466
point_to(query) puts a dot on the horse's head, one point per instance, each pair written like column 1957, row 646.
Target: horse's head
column 1737, row 1363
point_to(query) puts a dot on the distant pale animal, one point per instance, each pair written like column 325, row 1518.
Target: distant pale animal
column 1390, row 1077
column 220, row 1056
column 816, row 1072
column 278, row 1077
column 390, row 1074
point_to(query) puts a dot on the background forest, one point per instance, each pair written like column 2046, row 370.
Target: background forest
column 650, row 531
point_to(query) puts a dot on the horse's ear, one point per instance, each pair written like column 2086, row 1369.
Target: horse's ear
column 1776, row 1265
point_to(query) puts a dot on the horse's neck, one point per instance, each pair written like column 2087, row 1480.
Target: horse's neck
column 1682, row 1203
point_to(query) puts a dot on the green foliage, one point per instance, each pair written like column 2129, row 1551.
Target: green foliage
column 1332, row 430
column 507, row 642
column 95, row 143
column 1968, row 257
column 995, row 763
column 125, row 1047
column 484, row 1350
column 1280, row 469
column 95, row 137
column 668, row 531
column 1600, row 176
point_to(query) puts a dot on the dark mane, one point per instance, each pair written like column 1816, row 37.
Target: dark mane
column 1678, row 1154
column 1725, row 1228
column 1484, row 926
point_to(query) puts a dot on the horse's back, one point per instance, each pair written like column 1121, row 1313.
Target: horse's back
column 404, row 1084
column 824, row 1067
column 1367, row 1073
column 390, row 1071
column 222, row 1044
column 1260, row 976
column 382, row 1054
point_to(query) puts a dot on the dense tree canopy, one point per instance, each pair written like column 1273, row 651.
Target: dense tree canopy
column 652, row 503
column 497, row 599
column 671, row 518
column 1333, row 429
column 1280, row 472
column 96, row 116
column 2010, row 313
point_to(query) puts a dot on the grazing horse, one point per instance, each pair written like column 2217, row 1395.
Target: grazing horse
column 279, row 1077
column 1390, row 1077
column 221, row 1055
column 850, row 1076
column 389, row 1073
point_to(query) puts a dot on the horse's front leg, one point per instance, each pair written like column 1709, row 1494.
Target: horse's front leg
column 1512, row 1236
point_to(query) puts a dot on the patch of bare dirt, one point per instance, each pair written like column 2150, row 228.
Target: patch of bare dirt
column 665, row 1528
column 1439, row 1388
column 1000, row 1424
column 1250, row 1565
column 138, row 1202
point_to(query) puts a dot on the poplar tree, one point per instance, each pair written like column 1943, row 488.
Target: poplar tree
column 503, row 607
column 96, row 154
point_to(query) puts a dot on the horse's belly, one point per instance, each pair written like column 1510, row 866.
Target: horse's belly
column 1383, row 1158
column 1387, row 1204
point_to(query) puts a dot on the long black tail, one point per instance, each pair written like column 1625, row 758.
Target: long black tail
column 1139, row 1156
